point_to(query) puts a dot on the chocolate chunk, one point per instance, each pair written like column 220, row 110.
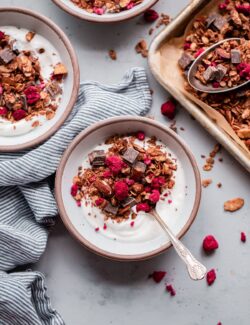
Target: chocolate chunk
column 221, row 72
column 97, row 158
column 129, row 201
column 222, row 53
column 139, row 169
column 130, row 155
column 111, row 209
column 24, row 102
column 185, row 60
column 210, row 73
column 219, row 22
column 235, row 56
column 6, row 56
column 54, row 89
column 211, row 18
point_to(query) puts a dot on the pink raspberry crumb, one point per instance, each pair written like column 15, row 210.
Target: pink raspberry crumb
column 210, row 243
column 3, row 111
column 98, row 11
column 199, row 52
column 132, row 223
column 211, row 276
column 105, row 226
column 154, row 197
column 115, row 164
column 150, row 15
column 243, row 237
column 19, row 114
column 157, row 276
column 2, row 35
column 142, row 207
column 97, row 229
column 78, row 203
column 74, row 189
column 168, row 109
column 170, row 289
column 121, row 190
column 32, row 95
column 140, row 135
column 130, row 6
column 99, row 201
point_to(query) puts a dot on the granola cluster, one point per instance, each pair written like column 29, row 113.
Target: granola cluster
column 226, row 66
column 231, row 20
column 101, row 7
column 127, row 175
column 23, row 91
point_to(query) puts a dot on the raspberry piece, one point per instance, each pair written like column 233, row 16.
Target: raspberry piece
column 1, row 89
column 132, row 223
column 243, row 237
column 115, row 164
column 98, row 11
column 216, row 84
column 140, row 135
column 211, row 276
column 32, row 95
column 170, row 289
column 130, row 6
column 3, row 111
column 244, row 9
column 106, row 174
column 142, row 207
column 74, row 189
column 147, row 161
column 198, row 53
column 168, row 109
column 147, row 189
column 97, row 229
column 121, row 190
column 130, row 182
column 157, row 182
column 2, row 35
column 150, row 15
column 99, row 201
column 154, row 197
column 222, row 6
column 19, row 114
column 186, row 46
column 244, row 70
column 104, row 226
column 78, row 203
column 157, row 276
column 210, row 243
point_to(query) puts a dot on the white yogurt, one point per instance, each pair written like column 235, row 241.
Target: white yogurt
column 145, row 228
column 47, row 61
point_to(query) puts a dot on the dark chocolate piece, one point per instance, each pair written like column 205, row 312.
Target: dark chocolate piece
column 24, row 102
column 130, row 155
column 129, row 201
column 219, row 22
column 6, row 56
column 210, row 19
column 235, row 56
column 111, row 209
column 97, row 158
column 139, row 169
column 185, row 60
column 54, row 89
column 210, row 73
column 221, row 72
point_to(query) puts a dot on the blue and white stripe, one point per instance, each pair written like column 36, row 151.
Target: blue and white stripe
column 27, row 205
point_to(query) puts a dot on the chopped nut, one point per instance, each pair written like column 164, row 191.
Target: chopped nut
column 234, row 204
column 29, row 36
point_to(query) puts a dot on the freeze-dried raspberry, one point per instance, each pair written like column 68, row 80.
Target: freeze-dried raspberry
column 150, row 15
column 74, row 189
column 199, row 52
column 97, row 229
column 32, row 95
column 140, row 135
column 211, row 276
column 130, row 5
column 1, row 89
column 243, row 237
column 129, row 181
column 210, row 243
column 3, row 111
column 157, row 182
column 115, row 164
column 106, row 174
column 216, row 84
column 147, row 161
column 154, row 197
column 170, row 289
column 19, row 114
column 244, row 70
column 105, row 226
column 2, row 35
column 244, row 9
column 157, row 276
column 168, row 109
column 186, row 46
column 79, row 203
column 142, row 207
column 98, row 11
column 132, row 223
column 99, row 201
column 121, row 190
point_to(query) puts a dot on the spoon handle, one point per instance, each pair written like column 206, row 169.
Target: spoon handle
column 196, row 270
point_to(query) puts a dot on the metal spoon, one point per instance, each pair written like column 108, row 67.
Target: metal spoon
column 196, row 270
column 196, row 84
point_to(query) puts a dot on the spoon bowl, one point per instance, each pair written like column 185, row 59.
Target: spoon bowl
column 198, row 85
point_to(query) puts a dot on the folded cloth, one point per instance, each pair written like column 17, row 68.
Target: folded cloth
column 27, row 205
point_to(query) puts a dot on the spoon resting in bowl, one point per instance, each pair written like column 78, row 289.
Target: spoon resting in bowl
column 196, row 270
column 211, row 79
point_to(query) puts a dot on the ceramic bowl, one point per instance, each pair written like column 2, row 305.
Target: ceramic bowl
column 74, row 10
column 74, row 217
column 30, row 20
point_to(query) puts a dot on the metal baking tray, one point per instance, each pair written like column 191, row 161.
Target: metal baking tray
column 175, row 29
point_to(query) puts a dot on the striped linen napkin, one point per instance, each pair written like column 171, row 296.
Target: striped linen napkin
column 27, row 205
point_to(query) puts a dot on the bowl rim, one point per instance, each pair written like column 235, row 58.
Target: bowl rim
column 99, row 19
column 76, row 79
column 65, row 218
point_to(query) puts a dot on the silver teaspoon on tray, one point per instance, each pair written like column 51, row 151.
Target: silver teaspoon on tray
column 209, row 88
column 196, row 270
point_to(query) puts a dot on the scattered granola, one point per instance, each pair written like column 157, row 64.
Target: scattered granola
column 100, row 7
column 210, row 160
column 163, row 20
column 206, row 182
column 133, row 172
column 25, row 93
column 142, row 48
column 231, row 20
column 234, row 204
column 112, row 55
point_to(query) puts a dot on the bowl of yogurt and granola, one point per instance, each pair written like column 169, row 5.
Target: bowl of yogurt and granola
column 114, row 174
column 105, row 11
column 39, row 78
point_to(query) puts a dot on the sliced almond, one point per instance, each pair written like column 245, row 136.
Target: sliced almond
column 60, row 69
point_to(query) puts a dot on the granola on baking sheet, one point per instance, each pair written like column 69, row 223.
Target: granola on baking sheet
column 231, row 20
column 127, row 174
column 101, row 7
